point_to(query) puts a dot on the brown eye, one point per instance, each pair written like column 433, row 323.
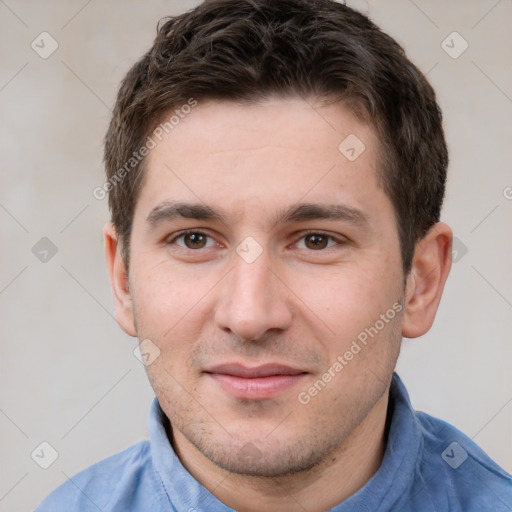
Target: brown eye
column 195, row 240
column 193, row 244
column 316, row 241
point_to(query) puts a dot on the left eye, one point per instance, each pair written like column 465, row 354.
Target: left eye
column 317, row 241
column 194, row 240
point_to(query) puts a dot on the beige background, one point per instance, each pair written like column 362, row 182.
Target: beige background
column 68, row 373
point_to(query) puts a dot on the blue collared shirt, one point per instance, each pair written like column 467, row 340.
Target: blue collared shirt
column 428, row 465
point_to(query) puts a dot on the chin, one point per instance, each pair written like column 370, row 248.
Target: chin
column 266, row 457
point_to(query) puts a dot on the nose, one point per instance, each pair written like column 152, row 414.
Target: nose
column 253, row 300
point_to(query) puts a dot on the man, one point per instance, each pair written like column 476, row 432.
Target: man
column 275, row 172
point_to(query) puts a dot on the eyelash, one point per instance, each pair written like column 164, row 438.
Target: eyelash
column 181, row 234
column 305, row 234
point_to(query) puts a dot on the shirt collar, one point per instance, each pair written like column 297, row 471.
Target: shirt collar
column 385, row 488
column 393, row 480
column 182, row 489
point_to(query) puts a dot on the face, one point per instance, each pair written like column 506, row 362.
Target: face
column 265, row 267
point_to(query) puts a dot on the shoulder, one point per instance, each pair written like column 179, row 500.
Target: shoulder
column 456, row 473
column 112, row 480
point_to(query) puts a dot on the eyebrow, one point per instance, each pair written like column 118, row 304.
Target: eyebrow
column 312, row 211
column 168, row 211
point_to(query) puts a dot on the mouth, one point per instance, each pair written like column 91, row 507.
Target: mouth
column 255, row 383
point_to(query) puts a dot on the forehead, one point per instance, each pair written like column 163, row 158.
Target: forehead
column 265, row 156
column 294, row 122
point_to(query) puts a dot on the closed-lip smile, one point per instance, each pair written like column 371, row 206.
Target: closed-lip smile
column 255, row 382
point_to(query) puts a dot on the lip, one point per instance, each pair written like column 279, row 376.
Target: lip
column 257, row 382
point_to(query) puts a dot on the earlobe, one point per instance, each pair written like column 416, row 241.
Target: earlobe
column 425, row 282
column 119, row 281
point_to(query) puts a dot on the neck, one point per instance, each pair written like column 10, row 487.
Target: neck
column 340, row 475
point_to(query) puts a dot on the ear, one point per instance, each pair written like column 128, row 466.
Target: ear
column 425, row 282
column 119, row 281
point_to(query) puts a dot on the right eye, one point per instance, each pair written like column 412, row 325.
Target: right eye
column 193, row 240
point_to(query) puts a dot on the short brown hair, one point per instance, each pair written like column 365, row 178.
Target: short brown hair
column 246, row 50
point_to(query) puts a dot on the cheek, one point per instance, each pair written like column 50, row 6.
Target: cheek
column 171, row 304
column 346, row 298
column 162, row 296
column 350, row 301
column 162, row 289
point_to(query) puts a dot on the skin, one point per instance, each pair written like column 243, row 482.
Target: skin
column 297, row 304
